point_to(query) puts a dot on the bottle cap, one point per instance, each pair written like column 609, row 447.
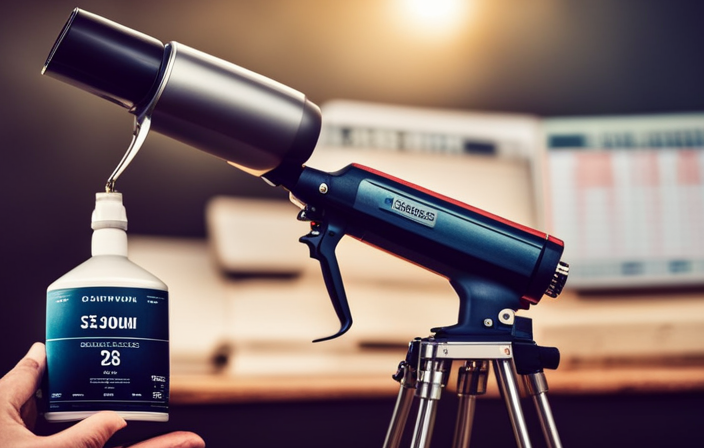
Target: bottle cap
column 109, row 212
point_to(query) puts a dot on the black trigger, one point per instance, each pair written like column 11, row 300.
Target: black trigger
column 312, row 240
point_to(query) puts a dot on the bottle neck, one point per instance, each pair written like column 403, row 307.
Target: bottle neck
column 109, row 241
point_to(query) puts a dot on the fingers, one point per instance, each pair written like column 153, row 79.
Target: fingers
column 28, row 413
column 92, row 432
column 179, row 439
column 23, row 380
column 20, row 383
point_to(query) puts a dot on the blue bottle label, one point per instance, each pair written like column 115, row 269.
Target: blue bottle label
column 107, row 349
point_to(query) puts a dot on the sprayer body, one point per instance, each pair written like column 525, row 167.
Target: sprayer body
column 432, row 231
column 270, row 130
column 491, row 262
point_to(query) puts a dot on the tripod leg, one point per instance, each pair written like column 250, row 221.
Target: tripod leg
column 404, row 400
column 431, row 380
column 424, row 423
column 504, row 370
column 537, row 386
column 471, row 382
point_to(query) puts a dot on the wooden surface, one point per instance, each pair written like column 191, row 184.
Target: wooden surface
column 214, row 388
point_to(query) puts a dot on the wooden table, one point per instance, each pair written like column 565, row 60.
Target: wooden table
column 571, row 380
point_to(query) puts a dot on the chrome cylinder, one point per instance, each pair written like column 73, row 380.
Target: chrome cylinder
column 249, row 120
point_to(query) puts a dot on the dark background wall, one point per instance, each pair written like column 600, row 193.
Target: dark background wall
column 58, row 144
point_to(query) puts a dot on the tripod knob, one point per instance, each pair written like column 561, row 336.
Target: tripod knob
column 549, row 357
column 532, row 358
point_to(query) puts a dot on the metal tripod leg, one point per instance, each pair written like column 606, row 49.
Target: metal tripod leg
column 504, row 370
column 427, row 367
column 432, row 378
column 471, row 381
column 406, row 376
column 537, row 386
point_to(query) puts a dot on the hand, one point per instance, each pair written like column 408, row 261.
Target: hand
column 17, row 390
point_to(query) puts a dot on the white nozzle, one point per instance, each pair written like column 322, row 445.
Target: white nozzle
column 109, row 212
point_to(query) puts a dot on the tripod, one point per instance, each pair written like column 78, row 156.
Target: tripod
column 425, row 371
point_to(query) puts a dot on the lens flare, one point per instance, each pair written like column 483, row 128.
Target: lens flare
column 434, row 17
column 434, row 10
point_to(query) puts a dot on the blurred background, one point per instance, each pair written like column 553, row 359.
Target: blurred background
column 542, row 58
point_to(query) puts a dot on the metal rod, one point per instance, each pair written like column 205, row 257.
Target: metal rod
column 432, row 377
column 471, row 381
column 424, row 423
column 504, row 370
column 404, row 400
column 537, row 386
column 465, row 417
column 407, row 377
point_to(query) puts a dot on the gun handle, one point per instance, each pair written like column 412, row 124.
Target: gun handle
column 481, row 302
column 322, row 241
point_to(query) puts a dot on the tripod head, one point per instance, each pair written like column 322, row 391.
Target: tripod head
column 269, row 130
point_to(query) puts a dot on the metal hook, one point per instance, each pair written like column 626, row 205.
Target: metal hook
column 141, row 129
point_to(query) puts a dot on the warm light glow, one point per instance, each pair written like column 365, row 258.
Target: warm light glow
column 440, row 17
column 435, row 10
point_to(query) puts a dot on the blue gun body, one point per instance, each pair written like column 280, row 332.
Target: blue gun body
column 492, row 263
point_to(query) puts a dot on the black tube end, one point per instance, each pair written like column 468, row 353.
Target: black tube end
column 64, row 30
column 105, row 58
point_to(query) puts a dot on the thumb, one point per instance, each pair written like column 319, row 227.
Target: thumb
column 93, row 432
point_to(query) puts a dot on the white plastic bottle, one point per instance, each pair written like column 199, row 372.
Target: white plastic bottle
column 107, row 330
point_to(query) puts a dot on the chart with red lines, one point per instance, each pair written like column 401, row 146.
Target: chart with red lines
column 626, row 194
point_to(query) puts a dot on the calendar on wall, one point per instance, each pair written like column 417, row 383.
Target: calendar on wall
column 626, row 194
